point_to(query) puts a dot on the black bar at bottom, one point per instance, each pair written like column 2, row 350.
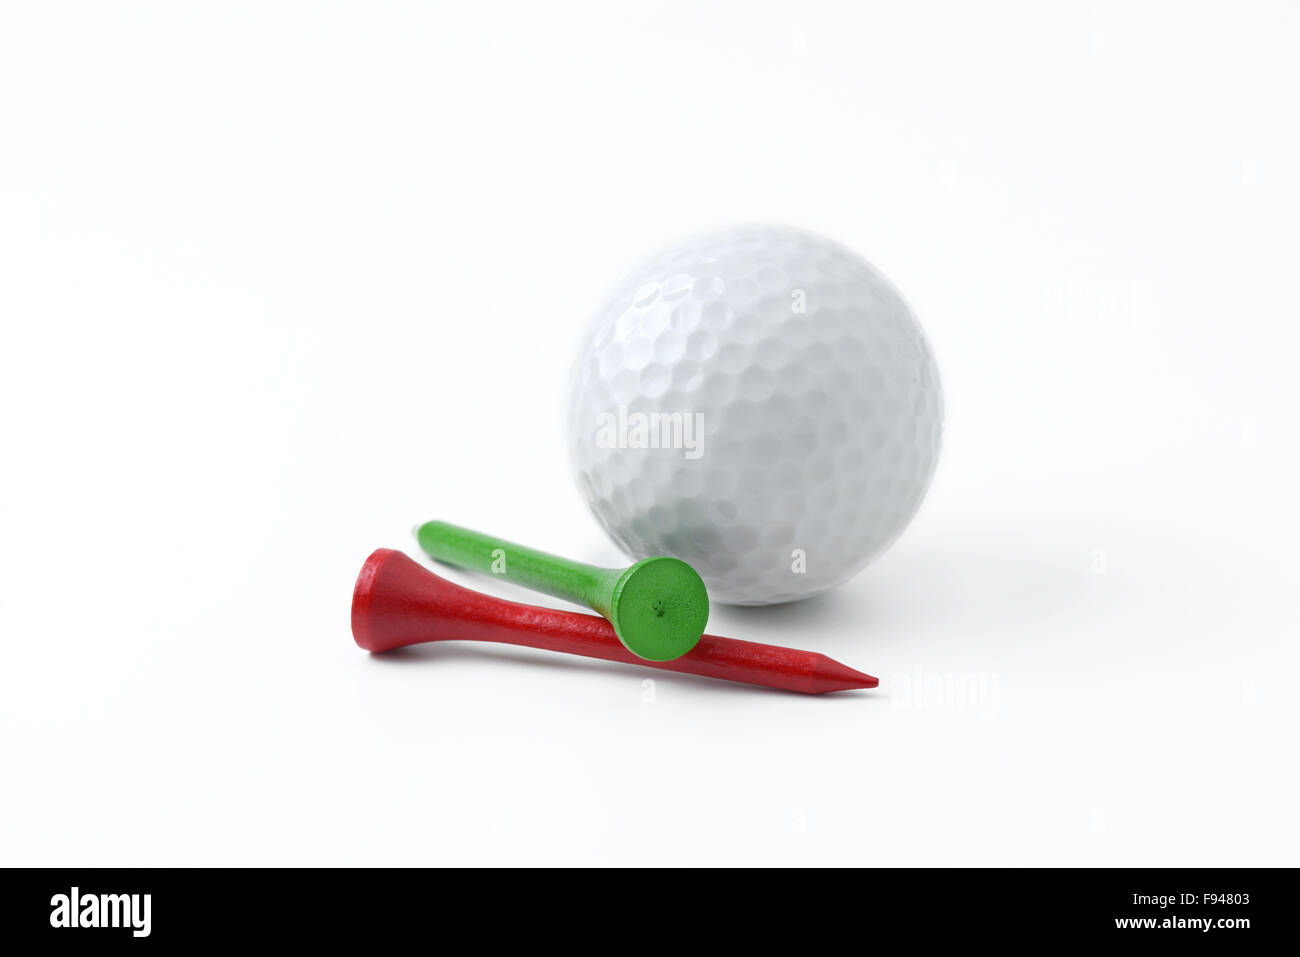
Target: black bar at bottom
column 832, row 908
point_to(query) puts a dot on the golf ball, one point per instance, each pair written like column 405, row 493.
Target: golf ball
column 761, row 404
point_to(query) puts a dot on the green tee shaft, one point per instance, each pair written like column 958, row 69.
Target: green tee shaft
column 658, row 606
column 549, row 574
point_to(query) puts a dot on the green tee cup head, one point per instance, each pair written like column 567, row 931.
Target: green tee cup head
column 659, row 608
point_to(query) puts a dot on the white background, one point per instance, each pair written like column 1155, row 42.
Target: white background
column 279, row 281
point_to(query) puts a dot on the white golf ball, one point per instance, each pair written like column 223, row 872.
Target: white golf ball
column 761, row 404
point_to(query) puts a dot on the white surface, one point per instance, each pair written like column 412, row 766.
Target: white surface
column 278, row 282
column 759, row 402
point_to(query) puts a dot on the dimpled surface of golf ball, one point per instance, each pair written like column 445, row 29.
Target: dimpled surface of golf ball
column 760, row 403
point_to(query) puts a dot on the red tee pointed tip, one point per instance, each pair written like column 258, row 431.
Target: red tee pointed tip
column 834, row 676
